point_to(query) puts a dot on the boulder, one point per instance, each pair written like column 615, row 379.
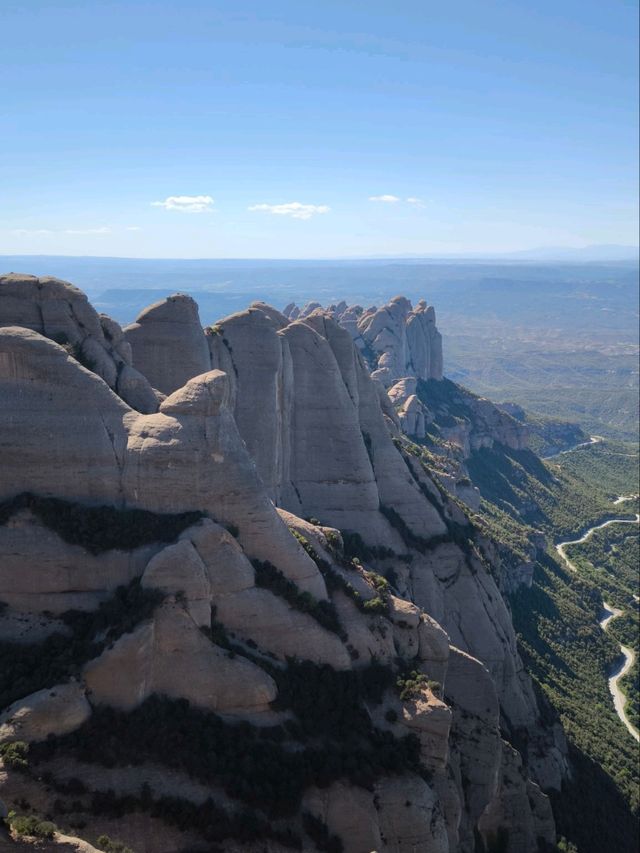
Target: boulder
column 53, row 711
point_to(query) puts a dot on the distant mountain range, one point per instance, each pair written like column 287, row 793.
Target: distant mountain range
column 585, row 254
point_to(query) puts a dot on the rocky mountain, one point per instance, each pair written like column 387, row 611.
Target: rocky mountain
column 240, row 612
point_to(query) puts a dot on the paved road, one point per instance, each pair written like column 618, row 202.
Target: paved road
column 619, row 699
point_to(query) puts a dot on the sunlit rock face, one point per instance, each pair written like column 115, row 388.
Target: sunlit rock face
column 396, row 339
column 267, row 422
column 62, row 312
column 168, row 343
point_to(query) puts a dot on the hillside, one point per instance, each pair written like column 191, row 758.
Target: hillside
column 238, row 613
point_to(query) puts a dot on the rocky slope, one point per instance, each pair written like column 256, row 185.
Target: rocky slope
column 180, row 646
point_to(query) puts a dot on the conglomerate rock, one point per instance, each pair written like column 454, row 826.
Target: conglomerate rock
column 289, row 416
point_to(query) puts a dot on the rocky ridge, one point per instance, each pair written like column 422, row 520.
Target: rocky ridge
column 232, row 583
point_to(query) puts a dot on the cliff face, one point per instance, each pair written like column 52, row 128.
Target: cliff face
column 165, row 554
column 396, row 340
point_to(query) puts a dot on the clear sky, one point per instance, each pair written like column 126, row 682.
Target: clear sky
column 316, row 128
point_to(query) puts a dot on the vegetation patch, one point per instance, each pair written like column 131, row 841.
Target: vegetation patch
column 32, row 826
column 268, row 577
column 15, row 754
column 100, row 528
column 27, row 667
column 257, row 766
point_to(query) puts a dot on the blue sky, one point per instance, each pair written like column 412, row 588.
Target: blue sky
column 316, row 128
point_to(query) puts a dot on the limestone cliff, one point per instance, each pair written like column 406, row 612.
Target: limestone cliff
column 350, row 678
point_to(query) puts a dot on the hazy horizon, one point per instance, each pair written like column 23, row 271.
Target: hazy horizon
column 593, row 253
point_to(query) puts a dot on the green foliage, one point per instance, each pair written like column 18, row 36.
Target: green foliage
column 380, row 583
column 252, row 764
column 569, row 656
column 356, row 548
column 378, row 605
column 411, row 684
column 14, row 754
column 608, row 560
column 108, row 845
column 27, row 667
column 268, row 577
column 31, row 825
column 564, row 649
column 100, row 528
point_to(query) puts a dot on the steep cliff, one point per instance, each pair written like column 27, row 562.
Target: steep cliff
column 350, row 680
column 396, row 339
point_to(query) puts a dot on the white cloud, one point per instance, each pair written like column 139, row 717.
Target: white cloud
column 389, row 199
column 416, row 202
column 186, row 203
column 23, row 232
column 103, row 230
column 294, row 209
column 134, row 228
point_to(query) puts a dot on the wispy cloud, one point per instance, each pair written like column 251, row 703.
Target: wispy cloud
column 83, row 231
column 412, row 200
column 24, row 232
column 389, row 199
column 294, row 209
column 186, row 203
column 134, row 228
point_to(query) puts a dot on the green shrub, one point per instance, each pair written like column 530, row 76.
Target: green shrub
column 375, row 605
column 108, row 845
column 411, row 684
column 32, row 825
column 14, row 754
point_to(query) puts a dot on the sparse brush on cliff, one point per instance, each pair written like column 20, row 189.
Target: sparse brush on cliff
column 27, row 667
column 323, row 612
column 100, row 528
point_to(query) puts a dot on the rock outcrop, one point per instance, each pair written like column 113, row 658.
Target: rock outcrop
column 168, row 343
column 397, row 340
column 268, row 422
column 61, row 312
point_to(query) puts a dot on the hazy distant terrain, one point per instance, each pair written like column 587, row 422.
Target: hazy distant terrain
column 557, row 338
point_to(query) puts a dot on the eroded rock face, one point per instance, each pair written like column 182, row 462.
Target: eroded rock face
column 61, row 312
column 53, row 711
column 168, row 343
column 342, row 467
column 323, row 449
column 397, row 340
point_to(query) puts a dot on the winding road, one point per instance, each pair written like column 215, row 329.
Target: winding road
column 610, row 613
column 593, row 439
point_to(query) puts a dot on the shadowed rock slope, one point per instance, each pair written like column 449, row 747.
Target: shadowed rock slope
column 188, row 663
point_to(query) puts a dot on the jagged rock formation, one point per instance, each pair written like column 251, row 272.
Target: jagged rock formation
column 225, row 594
column 58, row 310
column 397, row 340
